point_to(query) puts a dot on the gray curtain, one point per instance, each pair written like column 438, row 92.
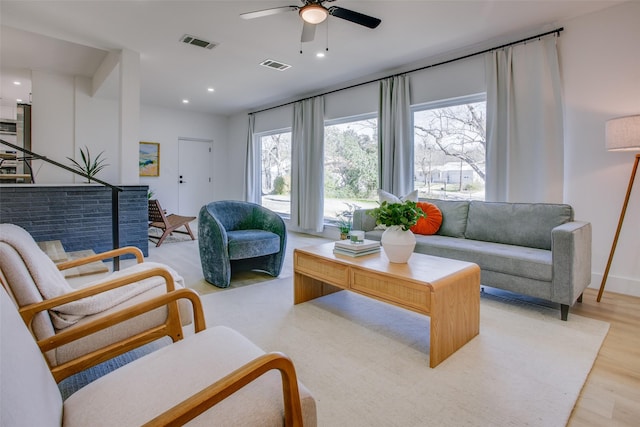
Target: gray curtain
column 307, row 165
column 253, row 182
column 524, row 124
column 395, row 140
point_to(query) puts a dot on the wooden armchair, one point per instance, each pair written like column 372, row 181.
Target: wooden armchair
column 167, row 223
column 30, row 277
column 215, row 374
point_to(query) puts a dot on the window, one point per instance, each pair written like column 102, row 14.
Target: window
column 276, row 171
column 350, row 166
column 449, row 148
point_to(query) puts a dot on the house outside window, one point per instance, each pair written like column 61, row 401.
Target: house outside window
column 276, row 171
column 450, row 148
column 350, row 166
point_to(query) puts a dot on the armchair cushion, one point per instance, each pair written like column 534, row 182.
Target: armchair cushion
column 252, row 243
column 29, row 396
column 203, row 359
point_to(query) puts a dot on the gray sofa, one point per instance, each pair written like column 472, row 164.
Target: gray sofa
column 535, row 249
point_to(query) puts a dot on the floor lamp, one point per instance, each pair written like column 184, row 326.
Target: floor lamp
column 622, row 133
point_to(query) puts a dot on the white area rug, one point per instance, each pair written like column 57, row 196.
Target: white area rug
column 367, row 363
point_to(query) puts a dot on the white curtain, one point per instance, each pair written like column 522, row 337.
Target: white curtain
column 253, row 182
column 307, row 165
column 524, row 124
column 395, row 143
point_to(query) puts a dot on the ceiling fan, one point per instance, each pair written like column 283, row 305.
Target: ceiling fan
column 313, row 12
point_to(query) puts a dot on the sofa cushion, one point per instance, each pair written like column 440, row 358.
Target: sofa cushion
column 520, row 261
column 252, row 243
column 522, row 224
column 431, row 223
column 454, row 216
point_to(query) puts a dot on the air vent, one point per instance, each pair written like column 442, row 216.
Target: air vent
column 197, row 42
column 270, row 63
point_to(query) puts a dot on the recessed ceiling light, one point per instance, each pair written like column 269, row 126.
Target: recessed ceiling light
column 18, row 100
column 210, row 89
column 320, row 54
column 185, row 101
column 17, row 83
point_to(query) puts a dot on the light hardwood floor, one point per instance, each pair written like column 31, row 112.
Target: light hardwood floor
column 611, row 395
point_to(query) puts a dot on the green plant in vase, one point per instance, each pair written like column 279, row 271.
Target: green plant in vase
column 405, row 215
column 397, row 240
column 88, row 166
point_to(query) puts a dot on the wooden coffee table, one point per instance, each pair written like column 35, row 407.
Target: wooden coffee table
column 446, row 290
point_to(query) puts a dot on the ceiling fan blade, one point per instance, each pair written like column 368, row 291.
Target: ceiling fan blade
column 356, row 17
column 308, row 32
column 267, row 12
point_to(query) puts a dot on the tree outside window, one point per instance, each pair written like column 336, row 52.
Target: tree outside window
column 276, row 172
column 449, row 149
column 350, row 167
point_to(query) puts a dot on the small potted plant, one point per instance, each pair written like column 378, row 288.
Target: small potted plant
column 397, row 240
column 89, row 166
column 344, row 225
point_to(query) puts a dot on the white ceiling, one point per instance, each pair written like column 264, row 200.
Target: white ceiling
column 411, row 33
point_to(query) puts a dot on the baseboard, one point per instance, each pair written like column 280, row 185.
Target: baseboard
column 619, row 285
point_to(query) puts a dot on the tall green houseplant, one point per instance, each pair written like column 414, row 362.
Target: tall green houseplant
column 88, row 166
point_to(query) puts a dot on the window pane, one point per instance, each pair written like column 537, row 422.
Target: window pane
column 449, row 151
column 350, row 167
column 276, row 172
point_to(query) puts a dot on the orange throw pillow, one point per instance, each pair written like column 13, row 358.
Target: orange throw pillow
column 430, row 224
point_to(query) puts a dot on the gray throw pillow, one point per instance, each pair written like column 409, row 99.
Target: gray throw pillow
column 454, row 216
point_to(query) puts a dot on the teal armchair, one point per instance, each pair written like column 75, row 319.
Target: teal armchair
column 235, row 236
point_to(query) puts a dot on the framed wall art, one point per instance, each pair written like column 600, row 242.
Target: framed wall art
column 149, row 159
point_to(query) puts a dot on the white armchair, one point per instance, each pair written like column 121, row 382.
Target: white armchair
column 30, row 277
column 213, row 377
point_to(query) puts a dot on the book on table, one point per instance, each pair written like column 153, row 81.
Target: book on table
column 340, row 251
column 365, row 245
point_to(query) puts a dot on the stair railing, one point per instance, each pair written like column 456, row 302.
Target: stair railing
column 115, row 194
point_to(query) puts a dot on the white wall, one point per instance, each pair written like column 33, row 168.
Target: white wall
column 65, row 118
column 52, row 124
column 600, row 61
column 166, row 126
column 96, row 127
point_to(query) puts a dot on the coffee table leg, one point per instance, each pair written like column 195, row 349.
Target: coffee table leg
column 306, row 288
column 455, row 314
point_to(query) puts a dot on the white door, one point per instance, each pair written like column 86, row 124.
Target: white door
column 195, row 188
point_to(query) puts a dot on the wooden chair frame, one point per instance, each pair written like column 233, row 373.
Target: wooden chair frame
column 172, row 326
column 167, row 223
column 127, row 250
column 197, row 403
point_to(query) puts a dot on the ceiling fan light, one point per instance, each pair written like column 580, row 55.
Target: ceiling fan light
column 313, row 13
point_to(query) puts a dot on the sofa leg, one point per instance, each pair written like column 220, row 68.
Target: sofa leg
column 580, row 298
column 564, row 311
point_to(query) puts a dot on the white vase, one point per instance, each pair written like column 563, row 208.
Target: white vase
column 398, row 244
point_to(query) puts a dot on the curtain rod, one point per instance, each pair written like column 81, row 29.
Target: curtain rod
column 537, row 36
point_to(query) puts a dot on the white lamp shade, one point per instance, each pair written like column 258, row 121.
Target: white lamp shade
column 623, row 133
